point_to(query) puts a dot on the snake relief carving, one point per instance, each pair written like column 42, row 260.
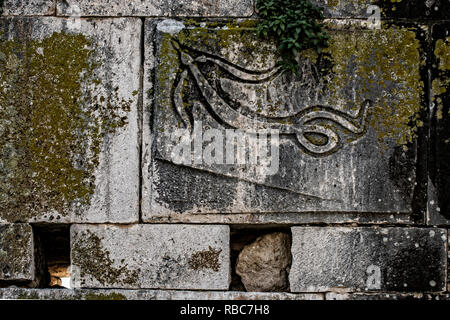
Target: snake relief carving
column 319, row 121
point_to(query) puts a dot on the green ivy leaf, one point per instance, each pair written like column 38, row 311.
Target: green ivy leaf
column 295, row 26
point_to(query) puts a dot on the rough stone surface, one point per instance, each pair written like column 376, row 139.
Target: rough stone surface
column 439, row 166
column 405, row 9
column 343, row 8
column 112, row 294
column 70, row 144
column 371, row 168
column 368, row 259
column 387, row 296
column 16, row 253
column 264, row 264
column 27, row 7
column 150, row 256
column 189, row 8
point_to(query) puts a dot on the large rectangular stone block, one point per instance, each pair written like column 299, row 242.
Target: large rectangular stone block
column 17, row 261
column 151, row 256
column 337, row 140
column 185, row 8
column 368, row 259
column 27, row 7
column 69, row 120
column 439, row 164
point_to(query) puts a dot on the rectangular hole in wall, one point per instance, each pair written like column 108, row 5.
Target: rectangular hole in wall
column 54, row 244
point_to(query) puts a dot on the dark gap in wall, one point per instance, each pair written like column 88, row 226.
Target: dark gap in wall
column 242, row 236
column 424, row 134
column 54, row 244
column 141, row 113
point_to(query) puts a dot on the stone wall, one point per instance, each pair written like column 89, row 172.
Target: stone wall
column 156, row 146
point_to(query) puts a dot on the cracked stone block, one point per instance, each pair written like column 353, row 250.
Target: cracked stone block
column 69, row 120
column 385, row 9
column 16, row 253
column 439, row 167
column 150, row 256
column 184, row 8
column 368, row 259
column 27, row 7
column 227, row 133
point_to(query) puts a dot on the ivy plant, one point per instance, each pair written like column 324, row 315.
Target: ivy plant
column 294, row 25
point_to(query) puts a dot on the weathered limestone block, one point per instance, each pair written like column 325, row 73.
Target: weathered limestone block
column 344, row 8
column 186, row 8
column 69, row 120
column 27, row 7
column 17, row 261
column 338, row 138
column 387, row 296
column 439, row 164
column 117, row 294
column 368, row 259
column 405, row 9
column 150, row 256
column 264, row 264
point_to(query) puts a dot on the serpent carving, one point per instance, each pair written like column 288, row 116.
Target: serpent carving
column 315, row 120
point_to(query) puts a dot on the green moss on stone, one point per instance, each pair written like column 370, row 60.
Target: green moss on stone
column 28, row 296
column 383, row 66
column 94, row 261
column 206, row 259
column 14, row 241
column 440, row 85
column 102, row 296
column 52, row 124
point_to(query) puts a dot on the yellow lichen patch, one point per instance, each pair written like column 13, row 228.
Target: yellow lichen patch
column 237, row 42
column 440, row 85
column 442, row 52
column 52, row 124
column 382, row 66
